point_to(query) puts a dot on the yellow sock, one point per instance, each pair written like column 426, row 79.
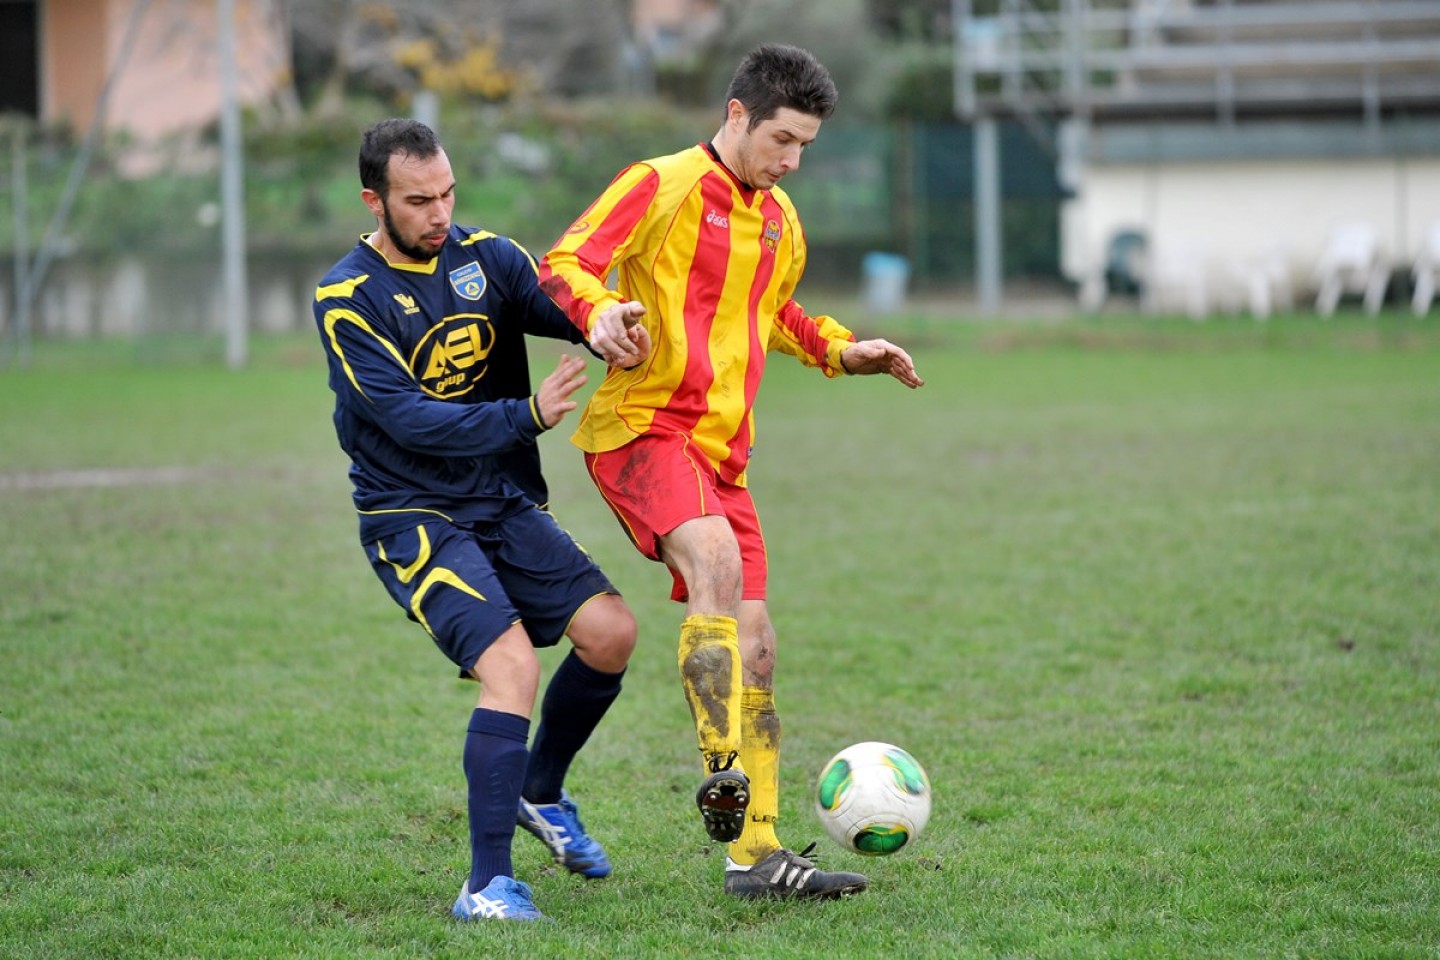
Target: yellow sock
column 760, row 754
column 710, row 672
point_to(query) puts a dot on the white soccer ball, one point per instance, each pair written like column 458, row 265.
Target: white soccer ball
column 873, row 798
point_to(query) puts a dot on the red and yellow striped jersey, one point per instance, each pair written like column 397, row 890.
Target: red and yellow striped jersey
column 715, row 263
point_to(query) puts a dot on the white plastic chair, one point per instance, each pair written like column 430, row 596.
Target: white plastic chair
column 1351, row 263
column 1178, row 276
column 1426, row 271
column 1259, row 283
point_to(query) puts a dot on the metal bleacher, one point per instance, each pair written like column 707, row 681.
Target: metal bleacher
column 1164, row 83
column 1225, row 59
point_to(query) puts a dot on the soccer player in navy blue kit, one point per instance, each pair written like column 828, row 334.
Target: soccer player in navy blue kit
column 423, row 325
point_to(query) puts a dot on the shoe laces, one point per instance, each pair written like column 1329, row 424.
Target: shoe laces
column 561, row 831
column 498, row 899
column 717, row 762
column 809, row 854
column 793, row 870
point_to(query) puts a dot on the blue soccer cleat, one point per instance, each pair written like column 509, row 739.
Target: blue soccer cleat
column 558, row 826
column 503, row 898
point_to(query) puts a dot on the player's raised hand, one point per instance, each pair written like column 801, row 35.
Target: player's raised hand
column 553, row 398
column 881, row 356
column 618, row 336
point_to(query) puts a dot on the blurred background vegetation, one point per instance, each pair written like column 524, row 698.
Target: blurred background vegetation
column 540, row 104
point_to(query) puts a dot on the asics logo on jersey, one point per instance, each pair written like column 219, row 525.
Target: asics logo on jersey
column 450, row 359
column 717, row 220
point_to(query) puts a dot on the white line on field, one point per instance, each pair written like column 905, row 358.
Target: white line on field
column 100, row 477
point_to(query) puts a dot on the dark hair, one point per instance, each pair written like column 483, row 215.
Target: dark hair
column 387, row 138
column 776, row 75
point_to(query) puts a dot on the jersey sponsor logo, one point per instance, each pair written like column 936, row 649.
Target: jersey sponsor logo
column 771, row 236
column 717, row 220
column 450, row 359
column 468, row 281
column 407, row 302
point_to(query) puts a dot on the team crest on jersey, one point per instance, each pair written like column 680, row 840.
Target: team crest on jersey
column 771, row 236
column 450, row 359
column 468, row 281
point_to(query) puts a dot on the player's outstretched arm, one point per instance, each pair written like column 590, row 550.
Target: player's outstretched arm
column 881, row 356
column 552, row 400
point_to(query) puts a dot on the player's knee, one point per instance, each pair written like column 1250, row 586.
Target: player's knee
column 509, row 670
column 707, row 556
column 759, row 667
column 604, row 634
column 615, row 642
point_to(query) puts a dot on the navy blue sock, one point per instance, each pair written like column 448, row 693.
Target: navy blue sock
column 575, row 700
column 495, row 758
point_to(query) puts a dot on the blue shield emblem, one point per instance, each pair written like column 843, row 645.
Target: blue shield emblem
column 468, row 281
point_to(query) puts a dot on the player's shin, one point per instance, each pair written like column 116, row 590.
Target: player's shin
column 710, row 673
column 760, row 755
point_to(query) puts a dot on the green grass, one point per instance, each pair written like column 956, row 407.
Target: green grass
column 1157, row 605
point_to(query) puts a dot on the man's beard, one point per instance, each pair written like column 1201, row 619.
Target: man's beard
column 410, row 250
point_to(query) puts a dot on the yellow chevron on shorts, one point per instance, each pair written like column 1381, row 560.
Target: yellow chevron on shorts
column 439, row 575
column 422, row 557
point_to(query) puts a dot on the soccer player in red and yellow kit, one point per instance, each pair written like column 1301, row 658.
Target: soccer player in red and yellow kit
column 709, row 252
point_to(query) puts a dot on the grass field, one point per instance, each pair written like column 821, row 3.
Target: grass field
column 1156, row 603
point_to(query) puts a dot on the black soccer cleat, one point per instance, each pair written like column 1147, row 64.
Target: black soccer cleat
column 788, row 875
column 723, row 799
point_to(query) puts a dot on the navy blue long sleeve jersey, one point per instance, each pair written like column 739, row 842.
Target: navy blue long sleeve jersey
column 432, row 382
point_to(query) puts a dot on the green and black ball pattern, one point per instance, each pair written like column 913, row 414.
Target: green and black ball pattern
column 909, row 777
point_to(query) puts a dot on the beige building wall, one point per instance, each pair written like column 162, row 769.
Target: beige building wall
column 1224, row 216
column 170, row 81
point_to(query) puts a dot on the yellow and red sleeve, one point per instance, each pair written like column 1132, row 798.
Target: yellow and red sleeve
column 575, row 270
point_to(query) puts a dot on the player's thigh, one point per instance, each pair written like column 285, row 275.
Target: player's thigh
column 750, row 539
column 444, row 580
column 704, row 557
column 546, row 574
column 653, row 484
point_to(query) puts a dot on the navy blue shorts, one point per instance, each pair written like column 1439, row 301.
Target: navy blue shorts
column 466, row 584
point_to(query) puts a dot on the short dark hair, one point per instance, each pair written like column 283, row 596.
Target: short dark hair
column 387, row 138
column 777, row 75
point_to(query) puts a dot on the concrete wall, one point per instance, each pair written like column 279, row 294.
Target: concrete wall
column 141, row 295
column 1225, row 217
